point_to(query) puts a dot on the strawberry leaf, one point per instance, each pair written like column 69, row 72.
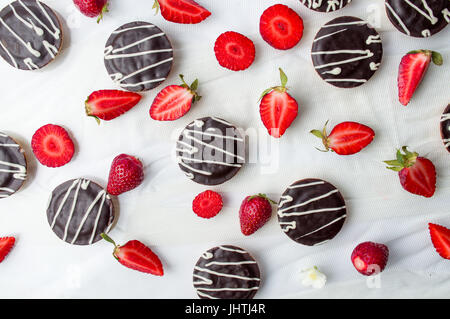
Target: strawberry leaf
column 395, row 169
column 437, row 58
column 283, row 78
column 393, row 163
column 156, row 6
column 194, row 85
column 317, row 133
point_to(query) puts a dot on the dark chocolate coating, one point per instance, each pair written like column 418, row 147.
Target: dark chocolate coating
column 325, row 5
column 30, row 34
column 418, row 18
column 79, row 211
column 13, row 166
column 210, row 151
column 226, row 272
column 311, row 211
column 445, row 127
column 346, row 52
column 138, row 56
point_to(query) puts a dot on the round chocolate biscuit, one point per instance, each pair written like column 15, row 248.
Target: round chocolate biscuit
column 226, row 272
column 13, row 166
column 418, row 18
column 325, row 5
column 138, row 56
column 210, row 151
column 311, row 211
column 30, row 34
column 346, row 52
column 79, row 211
column 445, row 127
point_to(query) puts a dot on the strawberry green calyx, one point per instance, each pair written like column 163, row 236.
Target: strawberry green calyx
column 104, row 10
column 156, row 6
column 436, row 57
column 404, row 160
column 282, row 88
column 323, row 136
column 192, row 88
column 88, row 111
column 262, row 196
column 109, row 239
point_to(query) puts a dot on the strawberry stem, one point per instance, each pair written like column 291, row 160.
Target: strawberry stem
column 323, row 136
column 156, row 6
column 104, row 10
column 402, row 161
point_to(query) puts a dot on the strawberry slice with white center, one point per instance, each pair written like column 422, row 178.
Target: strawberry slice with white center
column 412, row 70
column 417, row 174
column 440, row 236
column 109, row 104
column 278, row 109
column 181, row 11
column 135, row 255
column 174, row 101
column 346, row 138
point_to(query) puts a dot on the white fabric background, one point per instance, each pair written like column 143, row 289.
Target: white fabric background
column 159, row 212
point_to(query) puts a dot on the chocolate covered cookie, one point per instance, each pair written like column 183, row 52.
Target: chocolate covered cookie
column 79, row 211
column 325, row 5
column 30, row 34
column 445, row 127
column 346, row 52
column 226, row 272
column 138, row 56
column 418, row 18
column 311, row 211
column 210, row 151
column 13, row 166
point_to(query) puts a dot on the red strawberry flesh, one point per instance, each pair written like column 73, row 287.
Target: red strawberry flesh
column 109, row 104
column 183, row 11
column 349, row 138
column 419, row 179
column 52, row 146
column 411, row 72
column 278, row 110
column 234, row 51
column 6, row 244
column 207, row 204
column 171, row 103
column 440, row 236
column 281, row 27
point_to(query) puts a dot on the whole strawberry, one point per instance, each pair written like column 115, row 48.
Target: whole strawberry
column 92, row 8
column 126, row 174
column 174, row 101
column 370, row 258
column 255, row 211
column 412, row 70
column 137, row 256
column 346, row 138
column 278, row 109
column 417, row 174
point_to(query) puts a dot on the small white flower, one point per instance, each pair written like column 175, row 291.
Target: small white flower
column 313, row 277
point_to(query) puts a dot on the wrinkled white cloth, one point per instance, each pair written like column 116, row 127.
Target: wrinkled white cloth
column 159, row 211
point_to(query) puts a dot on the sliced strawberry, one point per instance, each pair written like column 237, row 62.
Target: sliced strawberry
column 174, row 101
column 52, row 146
column 281, row 27
column 417, row 174
column 6, row 244
column 207, row 204
column 440, row 236
column 412, row 70
column 277, row 108
column 109, row 104
column 137, row 256
column 234, row 51
column 181, row 11
column 346, row 138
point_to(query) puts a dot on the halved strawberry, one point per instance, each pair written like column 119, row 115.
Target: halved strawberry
column 412, row 70
column 137, row 256
column 278, row 109
column 6, row 244
column 346, row 138
column 109, row 104
column 174, row 101
column 440, row 236
column 234, row 51
column 417, row 174
column 181, row 11
column 281, row 27
column 52, row 146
